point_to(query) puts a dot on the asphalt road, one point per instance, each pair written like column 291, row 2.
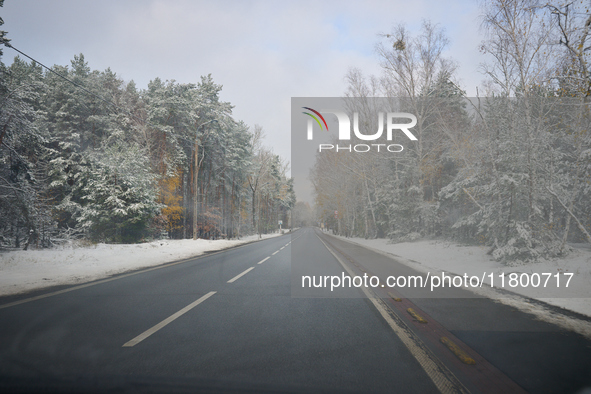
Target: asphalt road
column 225, row 323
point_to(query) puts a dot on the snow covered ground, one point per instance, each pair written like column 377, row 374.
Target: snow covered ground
column 436, row 256
column 22, row 271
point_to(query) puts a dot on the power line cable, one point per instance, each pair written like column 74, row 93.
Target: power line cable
column 72, row 82
column 91, row 93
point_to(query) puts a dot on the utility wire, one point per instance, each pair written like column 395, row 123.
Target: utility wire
column 72, row 82
column 94, row 94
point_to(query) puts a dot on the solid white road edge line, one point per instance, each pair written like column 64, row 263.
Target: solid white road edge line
column 167, row 321
column 263, row 260
column 239, row 275
column 413, row 344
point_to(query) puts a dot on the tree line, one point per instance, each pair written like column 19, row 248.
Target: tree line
column 510, row 168
column 85, row 154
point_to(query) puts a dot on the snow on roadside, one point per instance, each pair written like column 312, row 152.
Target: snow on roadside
column 22, row 271
column 442, row 256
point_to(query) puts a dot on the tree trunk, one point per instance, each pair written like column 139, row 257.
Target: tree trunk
column 195, row 189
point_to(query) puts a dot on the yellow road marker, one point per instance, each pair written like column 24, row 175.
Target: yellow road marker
column 416, row 316
column 455, row 349
column 397, row 299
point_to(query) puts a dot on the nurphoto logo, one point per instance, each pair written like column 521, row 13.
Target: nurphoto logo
column 344, row 130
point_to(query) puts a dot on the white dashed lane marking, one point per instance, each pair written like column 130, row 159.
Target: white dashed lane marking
column 167, row 321
column 240, row 275
column 263, row 260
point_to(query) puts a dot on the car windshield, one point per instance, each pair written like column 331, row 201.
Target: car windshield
column 295, row 197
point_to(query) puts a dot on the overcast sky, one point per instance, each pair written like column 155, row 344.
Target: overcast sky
column 262, row 52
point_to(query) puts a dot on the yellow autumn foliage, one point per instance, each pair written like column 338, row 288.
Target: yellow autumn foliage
column 171, row 198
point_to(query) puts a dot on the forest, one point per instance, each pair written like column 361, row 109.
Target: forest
column 86, row 155
column 510, row 168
